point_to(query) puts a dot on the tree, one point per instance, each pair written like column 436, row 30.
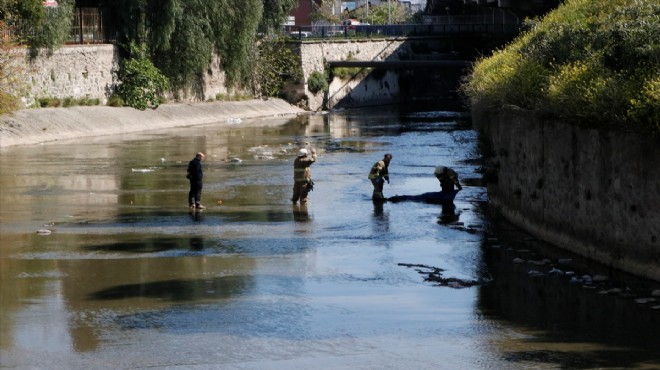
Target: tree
column 274, row 14
column 36, row 25
column 392, row 13
column 182, row 35
column 10, row 69
column 142, row 84
column 277, row 67
column 325, row 12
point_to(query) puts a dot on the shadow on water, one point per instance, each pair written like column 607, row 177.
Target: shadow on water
column 178, row 290
column 163, row 244
column 576, row 304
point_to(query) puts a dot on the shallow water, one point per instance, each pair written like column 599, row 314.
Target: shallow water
column 129, row 278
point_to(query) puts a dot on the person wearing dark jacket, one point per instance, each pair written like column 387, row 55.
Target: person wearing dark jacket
column 195, row 175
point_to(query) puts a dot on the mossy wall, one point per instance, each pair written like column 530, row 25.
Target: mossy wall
column 595, row 193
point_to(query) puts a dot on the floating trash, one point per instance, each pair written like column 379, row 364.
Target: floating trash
column 44, row 232
column 142, row 170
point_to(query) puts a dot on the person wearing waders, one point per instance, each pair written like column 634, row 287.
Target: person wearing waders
column 378, row 175
column 195, row 175
column 302, row 175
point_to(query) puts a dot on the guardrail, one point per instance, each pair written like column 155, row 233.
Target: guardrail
column 398, row 30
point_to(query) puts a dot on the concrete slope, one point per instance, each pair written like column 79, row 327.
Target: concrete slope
column 33, row 126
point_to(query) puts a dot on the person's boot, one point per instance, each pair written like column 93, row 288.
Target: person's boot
column 199, row 206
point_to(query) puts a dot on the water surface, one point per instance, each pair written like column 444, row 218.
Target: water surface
column 130, row 278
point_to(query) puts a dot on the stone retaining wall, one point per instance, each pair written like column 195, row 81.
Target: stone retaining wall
column 591, row 192
column 90, row 71
column 314, row 54
column 79, row 71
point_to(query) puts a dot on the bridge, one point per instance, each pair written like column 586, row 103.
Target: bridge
column 400, row 30
column 401, row 64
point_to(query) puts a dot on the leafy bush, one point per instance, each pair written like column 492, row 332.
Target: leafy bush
column 595, row 63
column 276, row 66
column 66, row 102
column 317, row 81
column 142, row 84
column 8, row 103
column 49, row 102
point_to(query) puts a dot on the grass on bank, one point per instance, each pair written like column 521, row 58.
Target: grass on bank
column 590, row 62
column 66, row 102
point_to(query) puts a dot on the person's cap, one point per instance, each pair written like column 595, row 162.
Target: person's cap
column 302, row 152
column 388, row 156
column 439, row 170
column 200, row 154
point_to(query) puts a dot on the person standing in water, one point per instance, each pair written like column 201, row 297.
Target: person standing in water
column 195, row 175
column 302, row 175
column 378, row 175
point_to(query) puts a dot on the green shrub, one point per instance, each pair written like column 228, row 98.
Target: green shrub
column 115, row 101
column 317, row 81
column 8, row 103
column 48, row 102
column 645, row 106
column 595, row 63
column 142, row 84
column 88, row 102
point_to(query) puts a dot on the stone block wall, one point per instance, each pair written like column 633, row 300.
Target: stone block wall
column 314, row 54
column 594, row 193
column 79, row 71
column 90, row 71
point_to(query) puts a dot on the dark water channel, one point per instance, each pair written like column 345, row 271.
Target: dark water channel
column 129, row 278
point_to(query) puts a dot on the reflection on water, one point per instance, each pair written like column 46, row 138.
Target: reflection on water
column 449, row 214
column 586, row 324
column 129, row 276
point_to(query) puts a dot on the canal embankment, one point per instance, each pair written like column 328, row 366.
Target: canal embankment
column 39, row 125
column 593, row 192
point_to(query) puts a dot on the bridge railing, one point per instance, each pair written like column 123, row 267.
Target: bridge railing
column 398, row 30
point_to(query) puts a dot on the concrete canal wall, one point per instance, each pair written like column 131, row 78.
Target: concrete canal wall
column 39, row 125
column 594, row 193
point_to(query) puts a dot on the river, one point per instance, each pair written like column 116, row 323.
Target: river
column 102, row 265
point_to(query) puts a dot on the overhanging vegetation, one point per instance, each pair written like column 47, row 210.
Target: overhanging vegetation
column 590, row 62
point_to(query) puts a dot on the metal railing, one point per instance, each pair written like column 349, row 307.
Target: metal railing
column 399, row 30
column 87, row 27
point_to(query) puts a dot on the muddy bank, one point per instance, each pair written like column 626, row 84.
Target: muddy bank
column 33, row 126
